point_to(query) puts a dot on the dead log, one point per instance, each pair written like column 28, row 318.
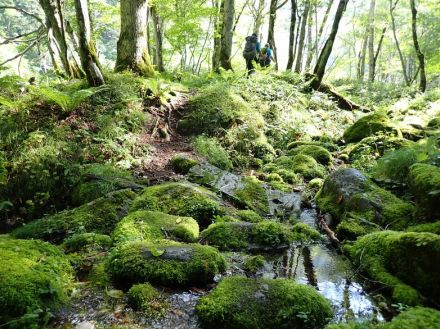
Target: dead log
column 331, row 235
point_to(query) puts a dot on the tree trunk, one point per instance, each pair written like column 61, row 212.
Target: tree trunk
column 362, row 56
column 419, row 53
column 310, row 45
column 227, row 33
column 218, row 5
column 371, row 63
column 393, row 25
column 292, row 34
column 379, row 47
column 302, row 37
column 323, row 23
column 132, row 48
column 258, row 13
column 56, row 27
column 271, row 31
column 87, row 51
column 326, row 51
column 158, row 35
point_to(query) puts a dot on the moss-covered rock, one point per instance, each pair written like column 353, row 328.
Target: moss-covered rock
column 164, row 264
column 242, row 303
column 424, row 184
column 35, row 277
column 320, row 154
column 359, row 206
column 181, row 199
column 154, row 225
column 253, row 264
column 265, row 235
column 144, row 297
column 86, row 242
column 376, row 146
column 427, row 227
column 181, row 164
column 98, row 216
column 328, row 145
column 290, row 168
column 303, row 233
column 252, row 194
column 405, row 262
column 249, row 216
column 370, row 125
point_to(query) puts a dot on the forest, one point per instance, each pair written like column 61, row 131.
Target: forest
column 220, row 164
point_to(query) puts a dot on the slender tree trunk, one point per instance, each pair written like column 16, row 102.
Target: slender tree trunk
column 310, row 42
column 271, row 31
column 158, row 36
column 258, row 13
column 326, row 51
column 371, row 63
column 218, row 23
column 419, row 53
column 302, row 37
column 298, row 27
column 56, row 26
column 323, row 23
column 362, row 56
column 293, row 10
column 379, row 47
column 87, row 51
column 132, row 48
column 393, row 26
column 227, row 33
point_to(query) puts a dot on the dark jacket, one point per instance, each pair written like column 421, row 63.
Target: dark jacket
column 250, row 48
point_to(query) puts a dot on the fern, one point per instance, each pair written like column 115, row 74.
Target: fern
column 6, row 102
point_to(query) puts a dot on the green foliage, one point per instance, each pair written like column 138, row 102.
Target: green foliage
column 213, row 151
column 144, row 297
column 249, row 216
column 35, row 279
column 151, row 226
column 164, row 264
column 99, row 216
column 428, row 227
column 415, row 318
column 253, row 264
column 239, row 302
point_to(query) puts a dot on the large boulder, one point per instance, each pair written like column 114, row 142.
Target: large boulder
column 35, row 277
column 359, row 206
column 424, row 184
column 165, row 263
column 407, row 263
column 243, row 303
column 98, row 216
column 370, row 125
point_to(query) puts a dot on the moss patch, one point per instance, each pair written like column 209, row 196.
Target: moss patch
column 253, row 195
column 239, row 302
column 165, row 264
column 99, row 216
column 402, row 261
column 320, row 154
column 87, row 241
column 34, row 276
column 427, row 227
column 181, row 164
column 154, row 225
column 249, row 216
column 144, row 297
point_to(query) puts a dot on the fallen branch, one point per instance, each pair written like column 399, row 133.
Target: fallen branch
column 331, row 235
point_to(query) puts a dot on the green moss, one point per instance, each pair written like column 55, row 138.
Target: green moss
column 402, row 261
column 87, row 241
column 181, row 199
column 164, row 264
column 34, row 277
column 369, row 125
column 144, row 297
column 239, row 302
column 214, row 152
column 264, row 235
column 99, row 216
column 303, row 233
column 320, row 154
column 253, row 195
column 181, row 164
column 424, row 184
column 249, row 216
column 315, row 183
column 274, row 177
column 253, row 264
column 327, row 144
column 428, row 227
column 154, row 225
column 308, row 167
column 415, row 318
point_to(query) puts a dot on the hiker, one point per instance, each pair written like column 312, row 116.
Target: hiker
column 251, row 51
column 266, row 56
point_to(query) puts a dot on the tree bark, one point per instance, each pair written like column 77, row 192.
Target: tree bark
column 218, row 5
column 362, row 56
column 420, row 55
column 227, row 33
column 302, row 37
column 87, row 51
column 326, row 51
column 132, row 48
column 323, row 23
column 292, row 34
column 310, row 43
column 271, row 31
column 158, row 35
column 371, row 62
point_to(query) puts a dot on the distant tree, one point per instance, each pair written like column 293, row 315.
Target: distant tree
column 227, row 34
column 275, row 5
column 132, row 48
column 302, row 37
column 293, row 10
column 419, row 53
column 158, row 36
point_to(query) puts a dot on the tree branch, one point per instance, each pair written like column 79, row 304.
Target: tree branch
column 25, row 13
column 282, row 5
column 20, row 54
column 9, row 40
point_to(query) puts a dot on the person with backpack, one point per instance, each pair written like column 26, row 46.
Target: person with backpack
column 251, row 51
column 266, row 56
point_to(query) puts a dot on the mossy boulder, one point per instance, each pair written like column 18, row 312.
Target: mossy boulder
column 87, row 242
column 433, row 227
column 243, row 303
column 320, row 154
column 35, row 278
column 291, row 167
column 370, row 125
column 98, row 216
column 359, row 206
column 249, row 216
column 181, row 199
column 164, row 263
column 154, row 225
column 253, row 264
column 407, row 263
column 424, row 184
column 252, row 194
column 181, row 164
column 265, row 235
column 144, row 297
column 303, row 233
column 328, row 145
